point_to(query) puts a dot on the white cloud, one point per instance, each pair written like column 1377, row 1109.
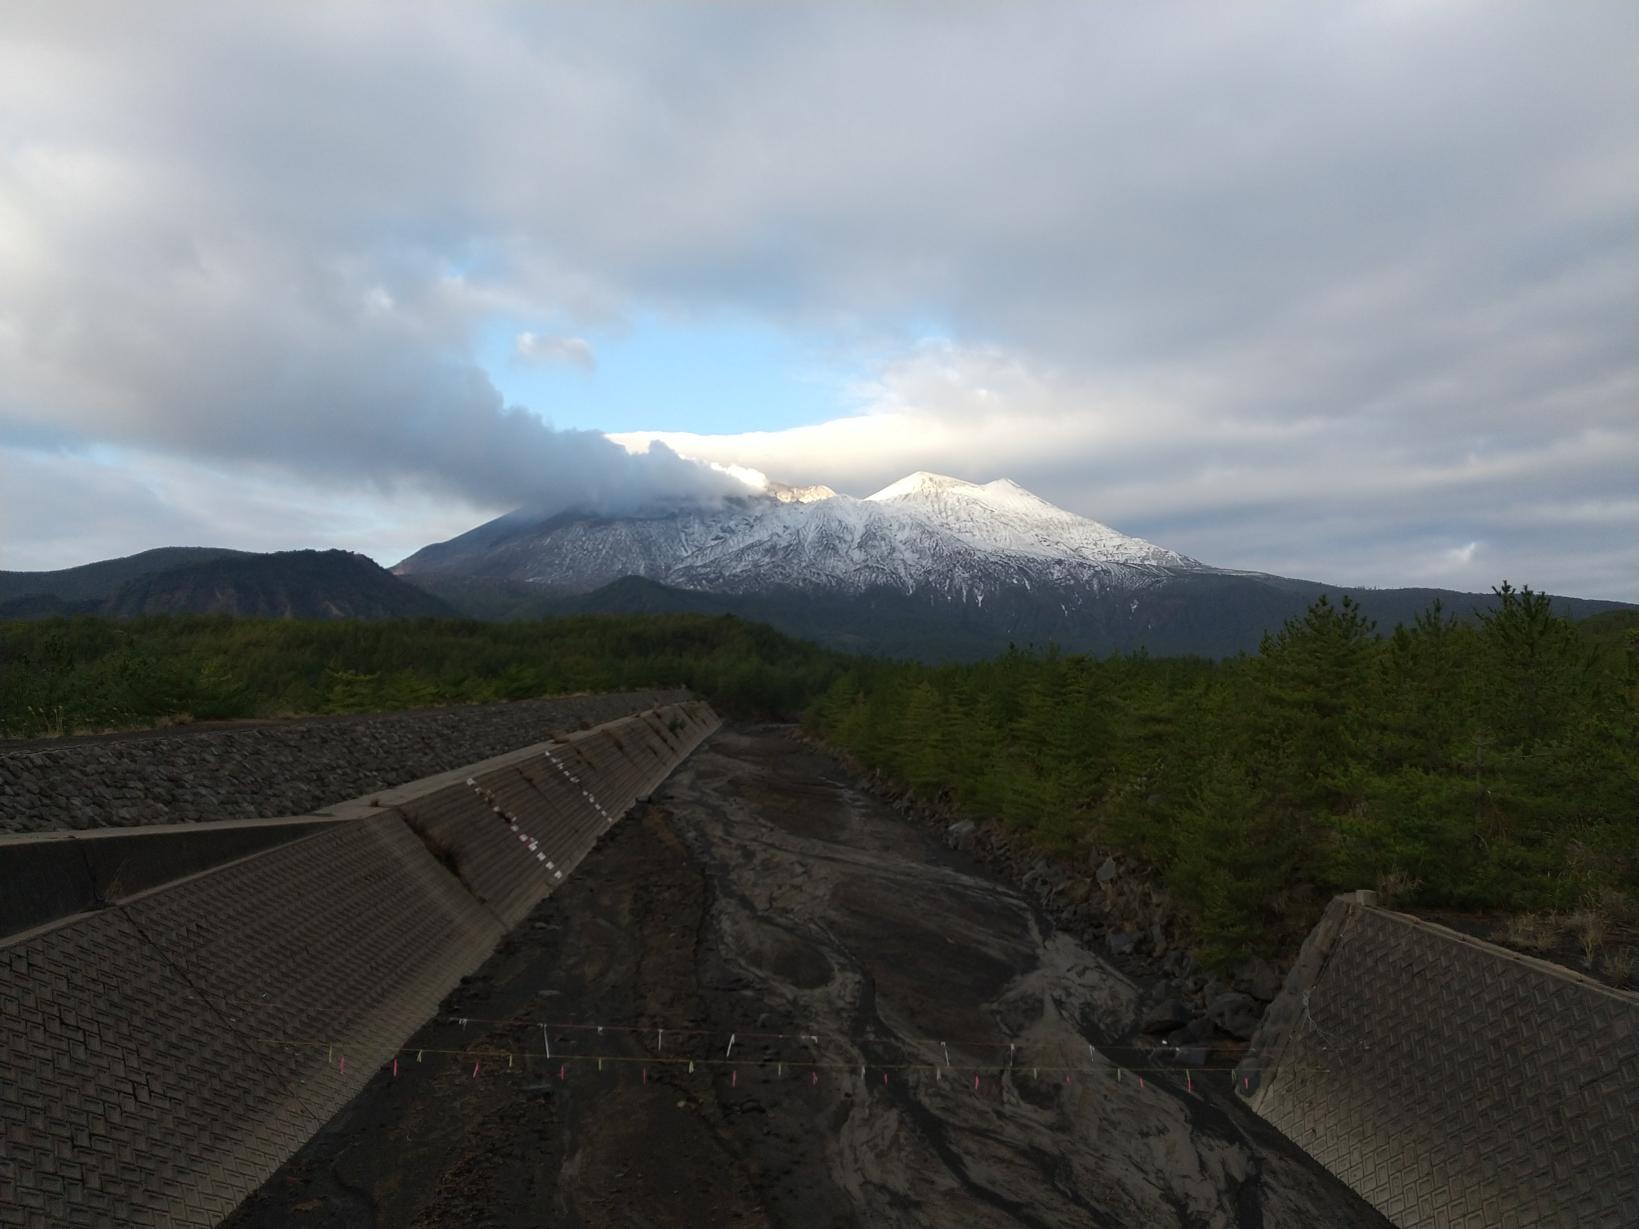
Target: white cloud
column 530, row 347
column 1461, row 555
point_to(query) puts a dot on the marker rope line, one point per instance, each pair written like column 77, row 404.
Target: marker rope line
column 1036, row 1055
column 1020, row 1052
column 336, row 1051
column 742, row 1036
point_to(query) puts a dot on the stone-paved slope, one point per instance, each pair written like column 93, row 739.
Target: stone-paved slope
column 161, row 1054
column 1451, row 1082
column 288, row 768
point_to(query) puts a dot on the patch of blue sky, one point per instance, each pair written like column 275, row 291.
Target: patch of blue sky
column 714, row 375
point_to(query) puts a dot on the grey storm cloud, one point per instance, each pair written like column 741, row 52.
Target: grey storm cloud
column 1393, row 242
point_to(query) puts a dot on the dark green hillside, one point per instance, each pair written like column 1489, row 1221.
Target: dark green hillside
column 1491, row 764
column 301, row 584
column 484, row 597
column 45, row 606
column 98, row 581
column 1205, row 614
column 1613, row 635
column 882, row 621
column 304, row 584
column 62, row 675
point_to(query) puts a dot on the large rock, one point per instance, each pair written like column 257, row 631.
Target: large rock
column 1195, row 1031
column 1166, row 1016
column 1236, row 1013
column 1259, row 978
column 1121, row 943
column 1108, row 871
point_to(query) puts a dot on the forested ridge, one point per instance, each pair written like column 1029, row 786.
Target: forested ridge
column 1484, row 765
column 1487, row 764
column 66, row 675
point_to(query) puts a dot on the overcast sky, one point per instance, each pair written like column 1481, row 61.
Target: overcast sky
column 1342, row 291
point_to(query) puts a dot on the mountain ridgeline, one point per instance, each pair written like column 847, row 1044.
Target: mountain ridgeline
column 929, row 567
column 302, row 584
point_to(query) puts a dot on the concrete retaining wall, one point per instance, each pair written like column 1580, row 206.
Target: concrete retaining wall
column 514, row 830
column 286, row 768
column 162, row 1054
column 46, row 877
column 1451, row 1082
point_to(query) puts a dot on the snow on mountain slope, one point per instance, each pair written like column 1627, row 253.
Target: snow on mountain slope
column 571, row 550
column 1002, row 516
column 835, row 543
column 800, row 494
column 924, row 533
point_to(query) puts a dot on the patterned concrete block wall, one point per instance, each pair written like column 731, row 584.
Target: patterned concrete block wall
column 1453, row 1083
column 285, row 768
column 152, row 1058
column 160, row 1057
column 511, row 833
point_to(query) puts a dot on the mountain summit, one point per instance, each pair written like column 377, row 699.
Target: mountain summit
column 926, row 533
column 1003, row 516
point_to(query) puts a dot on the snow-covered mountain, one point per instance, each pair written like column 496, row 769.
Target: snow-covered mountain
column 925, row 534
column 928, row 567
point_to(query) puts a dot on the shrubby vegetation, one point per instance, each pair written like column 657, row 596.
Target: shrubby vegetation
column 1491, row 764
column 1487, row 765
column 62, row 675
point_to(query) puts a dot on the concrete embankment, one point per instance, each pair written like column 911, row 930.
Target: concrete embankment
column 1452, row 1082
column 184, row 1005
column 268, row 769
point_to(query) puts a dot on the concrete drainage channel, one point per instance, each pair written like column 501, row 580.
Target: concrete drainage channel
column 184, row 1005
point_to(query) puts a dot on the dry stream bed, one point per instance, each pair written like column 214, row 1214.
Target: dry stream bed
column 868, row 976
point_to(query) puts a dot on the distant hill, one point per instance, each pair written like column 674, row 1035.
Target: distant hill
column 305, row 584
column 490, row 598
column 98, row 581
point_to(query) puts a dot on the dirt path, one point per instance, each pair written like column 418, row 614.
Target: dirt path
column 846, row 952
